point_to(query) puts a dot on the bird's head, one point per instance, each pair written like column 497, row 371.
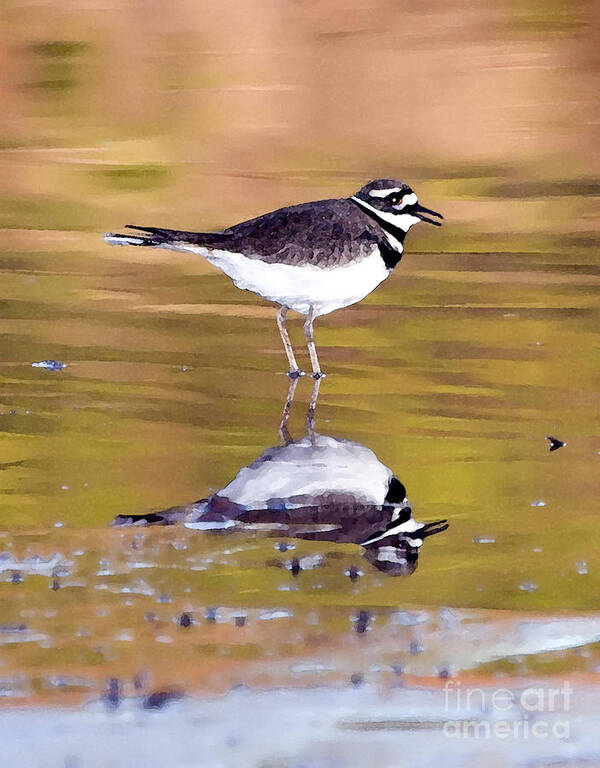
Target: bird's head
column 395, row 202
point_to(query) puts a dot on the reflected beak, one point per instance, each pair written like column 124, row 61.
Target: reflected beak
column 418, row 210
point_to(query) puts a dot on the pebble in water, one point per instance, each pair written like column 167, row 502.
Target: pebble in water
column 283, row 546
column 582, row 568
column 112, row 695
column 528, row 586
column 158, row 699
column 353, row 573
column 185, row 620
column 362, row 622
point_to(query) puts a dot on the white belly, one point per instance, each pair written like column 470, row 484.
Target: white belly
column 297, row 287
column 299, row 473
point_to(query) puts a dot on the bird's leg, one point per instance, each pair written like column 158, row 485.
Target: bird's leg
column 310, row 343
column 312, row 407
column 294, row 371
column 284, row 432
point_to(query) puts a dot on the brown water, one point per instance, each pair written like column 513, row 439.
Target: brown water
column 482, row 343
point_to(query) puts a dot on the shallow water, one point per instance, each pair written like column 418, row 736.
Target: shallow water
column 482, row 343
column 322, row 726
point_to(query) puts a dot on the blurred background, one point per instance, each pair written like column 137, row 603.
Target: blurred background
column 198, row 115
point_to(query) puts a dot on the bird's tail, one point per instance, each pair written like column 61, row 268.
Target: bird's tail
column 169, row 516
column 161, row 238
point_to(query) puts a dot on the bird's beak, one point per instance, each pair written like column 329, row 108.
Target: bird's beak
column 418, row 210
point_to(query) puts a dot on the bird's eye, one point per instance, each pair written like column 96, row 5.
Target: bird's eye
column 395, row 199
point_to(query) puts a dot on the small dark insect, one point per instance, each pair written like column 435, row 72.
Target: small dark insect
column 295, row 567
column 555, row 443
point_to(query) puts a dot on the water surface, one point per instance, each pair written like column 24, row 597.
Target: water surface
column 481, row 344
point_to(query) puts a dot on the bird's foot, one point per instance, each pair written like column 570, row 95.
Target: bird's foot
column 295, row 374
column 318, row 375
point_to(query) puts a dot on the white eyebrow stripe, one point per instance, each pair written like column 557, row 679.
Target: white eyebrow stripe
column 403, row 221
column 402, row 529
column 408, row 200
column 383, row 192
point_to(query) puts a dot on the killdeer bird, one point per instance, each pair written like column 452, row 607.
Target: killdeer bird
column 320, row 488
column 311, row 258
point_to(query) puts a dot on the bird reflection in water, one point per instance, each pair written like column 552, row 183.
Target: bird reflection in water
column 319, row 488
